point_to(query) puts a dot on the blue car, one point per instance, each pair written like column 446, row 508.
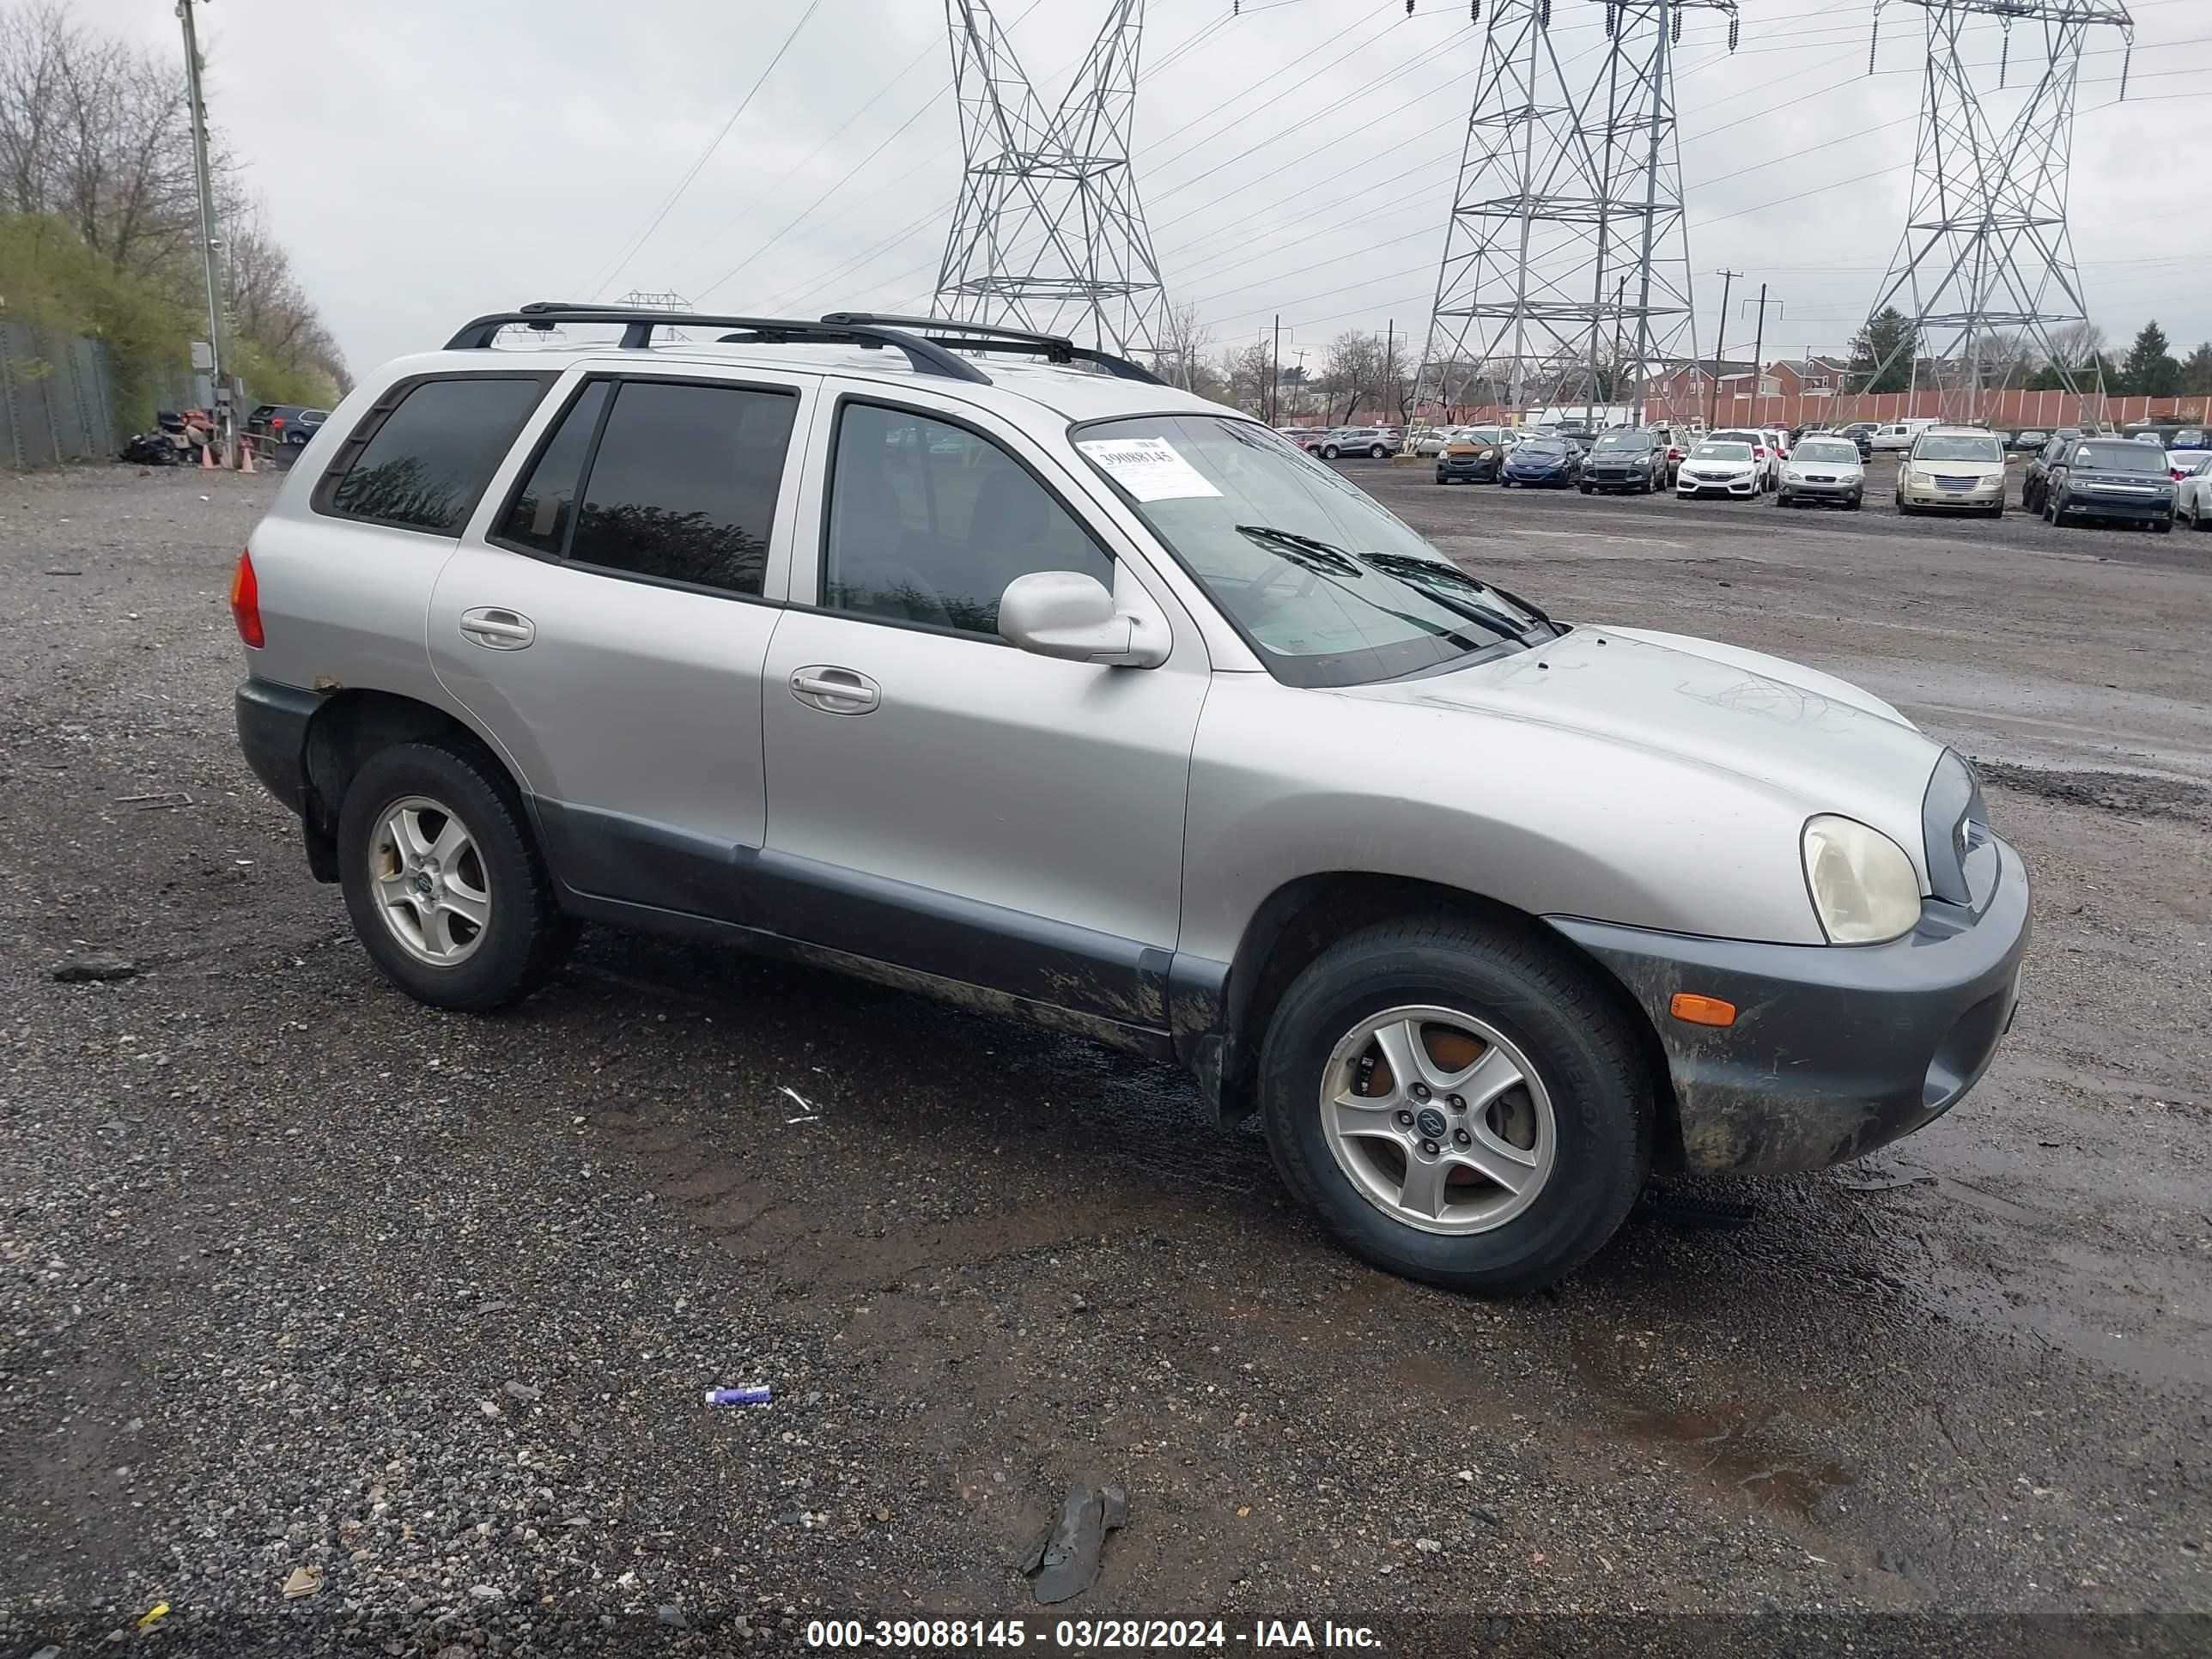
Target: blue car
column 1553, row 461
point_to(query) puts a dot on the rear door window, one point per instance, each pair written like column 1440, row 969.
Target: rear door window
column 420, row 458
column 667, row 481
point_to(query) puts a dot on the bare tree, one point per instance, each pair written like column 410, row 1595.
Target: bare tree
column 1246, row 372
column 1184, row 342
column 95, row 136
column 1353, row 370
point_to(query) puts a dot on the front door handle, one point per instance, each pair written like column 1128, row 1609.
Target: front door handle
column 836, row 690
column 496, row 629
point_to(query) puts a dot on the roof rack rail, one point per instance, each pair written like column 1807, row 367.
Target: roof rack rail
column 962, row 336
column 638, row 322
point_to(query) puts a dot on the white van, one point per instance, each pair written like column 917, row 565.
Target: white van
column 1899, row 435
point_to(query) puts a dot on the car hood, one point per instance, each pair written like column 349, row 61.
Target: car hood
column 1792, row 731
column 1520, row 457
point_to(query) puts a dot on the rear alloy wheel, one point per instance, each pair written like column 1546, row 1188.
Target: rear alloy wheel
column 1460, row 1105
column 444, row 890
column 1330, row 453
column 1377, row 453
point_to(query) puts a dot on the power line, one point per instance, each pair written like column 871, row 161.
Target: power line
column 705, row 155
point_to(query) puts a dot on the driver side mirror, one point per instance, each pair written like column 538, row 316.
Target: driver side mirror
column 1069, row 615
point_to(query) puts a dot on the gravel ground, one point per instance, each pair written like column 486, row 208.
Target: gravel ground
column 300, row 1282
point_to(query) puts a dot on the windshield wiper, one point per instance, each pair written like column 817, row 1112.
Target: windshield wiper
column 1329, row 563
column 1422, row 573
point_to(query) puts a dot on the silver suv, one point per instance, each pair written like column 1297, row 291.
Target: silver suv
column 1369, row 440
column 990, row 666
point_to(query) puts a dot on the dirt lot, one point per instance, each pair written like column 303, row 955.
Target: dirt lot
column 297, row 1274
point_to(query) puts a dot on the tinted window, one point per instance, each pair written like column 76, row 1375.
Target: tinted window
column 929, row 522
column 1633, row 443
column 682, row 485
column 542, row 509
column 1723, row 452
column 425, row 462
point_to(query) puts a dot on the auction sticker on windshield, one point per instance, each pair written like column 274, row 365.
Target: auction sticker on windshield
column 1151, row 469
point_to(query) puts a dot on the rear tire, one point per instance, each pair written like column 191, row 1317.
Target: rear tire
column 1580, row 1113
column 1377, row 453
column 518, row 938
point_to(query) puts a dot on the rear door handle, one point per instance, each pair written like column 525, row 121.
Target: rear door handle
column 836, row 690
column 496, row 629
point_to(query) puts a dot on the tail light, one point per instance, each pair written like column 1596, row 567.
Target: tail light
column 245, row 601
column 275, row 422
column 1758, row 452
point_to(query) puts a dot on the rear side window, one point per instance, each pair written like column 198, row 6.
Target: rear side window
column 423, row 456
column 669, row 481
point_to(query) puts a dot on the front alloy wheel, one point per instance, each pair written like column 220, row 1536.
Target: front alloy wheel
column 1460, row 1102
column 1437, row 1120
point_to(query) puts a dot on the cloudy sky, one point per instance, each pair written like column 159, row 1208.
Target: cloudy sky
column 426, row 160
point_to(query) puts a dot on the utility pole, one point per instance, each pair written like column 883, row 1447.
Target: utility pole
column 1390, row 357
column 1758, row 357
column 1720, row 352
column 1275, row 379
column 204, row 176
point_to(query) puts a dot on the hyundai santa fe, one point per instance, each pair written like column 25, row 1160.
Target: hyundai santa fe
column 985, row 665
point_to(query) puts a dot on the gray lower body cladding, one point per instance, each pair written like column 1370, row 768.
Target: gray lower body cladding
column 1836, row 1049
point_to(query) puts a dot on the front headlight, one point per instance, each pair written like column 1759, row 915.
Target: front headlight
column 1792, row 475
column 1863, row 884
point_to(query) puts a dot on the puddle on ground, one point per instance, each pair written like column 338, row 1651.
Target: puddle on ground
column 1738, row 1452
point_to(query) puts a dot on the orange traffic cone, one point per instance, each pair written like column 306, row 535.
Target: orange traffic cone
column 207, row 457
column 246, row 455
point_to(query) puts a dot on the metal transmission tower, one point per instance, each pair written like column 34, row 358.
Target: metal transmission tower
column 1048, row 233
column 1566, row 227
column 1986, row 258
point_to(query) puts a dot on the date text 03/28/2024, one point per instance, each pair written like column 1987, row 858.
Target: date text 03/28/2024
column 1085, row 1635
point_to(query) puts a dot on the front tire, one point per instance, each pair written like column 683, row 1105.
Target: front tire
column 1330, row 453
column 1377, row 453
column 446, row 890
column 1522, row 1181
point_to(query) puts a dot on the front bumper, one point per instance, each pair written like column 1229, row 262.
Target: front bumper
column 1687, row 485
column 1815, row 489
column 1625, row 478
column 272, row 732
column 1979, row 499
column 2082, row 504
column 1837, row 1049
column 1466, row 472
column 1555, row 480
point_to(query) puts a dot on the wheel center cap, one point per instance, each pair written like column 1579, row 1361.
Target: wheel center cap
column 422, row 883
column 1430, row 1122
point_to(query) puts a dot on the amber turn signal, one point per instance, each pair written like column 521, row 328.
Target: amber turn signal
column 1701, row 1010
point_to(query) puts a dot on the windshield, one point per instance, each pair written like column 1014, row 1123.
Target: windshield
column 1958, row 446
column 1740, row 437
column 1829, row 452
column 1633, row 442
column 1328, row 587
column 1545, row 446
column 2129, row 457
column 1723, row 452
